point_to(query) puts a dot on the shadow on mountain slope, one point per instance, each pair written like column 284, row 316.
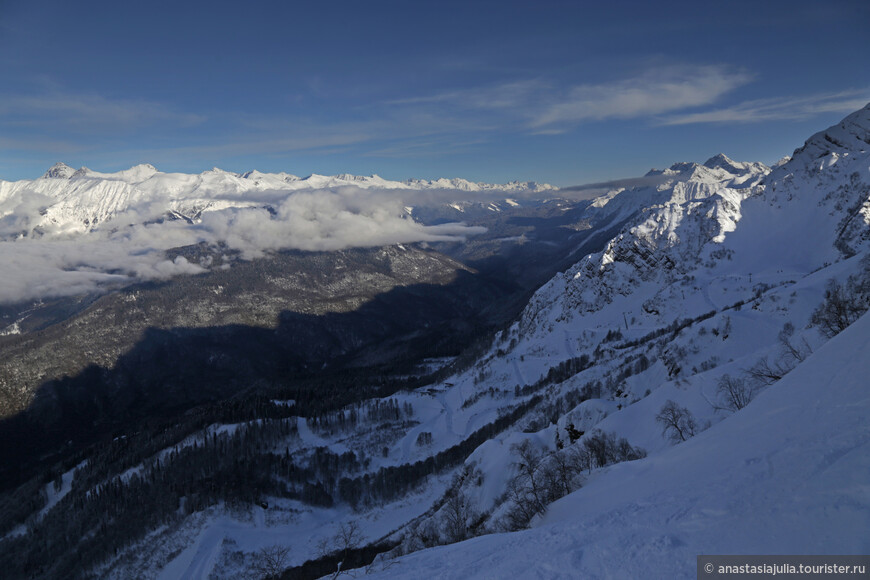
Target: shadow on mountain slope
column 170, row 371
column 338, row 338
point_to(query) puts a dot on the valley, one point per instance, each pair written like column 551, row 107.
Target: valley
column 651, row 373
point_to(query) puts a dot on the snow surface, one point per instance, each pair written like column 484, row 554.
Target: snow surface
column 73, row 232
column 52, row 498
column 785, row 475
column 195, row 550
column 749, row 249
column 76, row 201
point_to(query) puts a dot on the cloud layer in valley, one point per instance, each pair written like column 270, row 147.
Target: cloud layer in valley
column 132, row 245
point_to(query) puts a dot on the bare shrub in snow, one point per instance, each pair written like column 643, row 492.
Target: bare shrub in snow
column 796, row 353
column 421, row 535
column 605, row 448
column 766, row 373
column 457, row 513
column 269, row 562
column 844, row 304
column 527, row 486
column 678, row 423
column 734, row 394
column 543, row 478
column 563, row 473
column 347, row 539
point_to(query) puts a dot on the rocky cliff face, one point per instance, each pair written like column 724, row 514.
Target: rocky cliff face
column 688, row 214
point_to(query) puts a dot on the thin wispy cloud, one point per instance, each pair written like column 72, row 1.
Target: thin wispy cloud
column 545, row 107
column 55, row 121
column 652, row 93
column 426, row 148
column 251, row 144
column 777, row 109
column 28, row 143
column 512, row 95
column 593, row 190
column 87, row 112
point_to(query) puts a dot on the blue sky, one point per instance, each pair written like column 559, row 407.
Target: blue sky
column 559, row 92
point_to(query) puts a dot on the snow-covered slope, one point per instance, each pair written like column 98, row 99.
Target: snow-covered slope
column 695, row 205
column 786, row 475
column 65, row 200
column 806, row 213
column 81, row 231
column 717, row 280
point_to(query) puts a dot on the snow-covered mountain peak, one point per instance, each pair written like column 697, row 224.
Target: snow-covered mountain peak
column 714, row 170
column 722, row 161
column 259, row 178
column 849, row 137
column 807, row 212
column 84, row 198
column 692, row 207
column 82, row 172
column 823, row 193
column 137, row 173
column 219, row 171
column 681, row 167
column 355, row 178
column 59, row 171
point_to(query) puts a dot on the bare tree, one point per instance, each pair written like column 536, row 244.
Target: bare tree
column 765, row 373
column 678, row 423
column 269, row 562
column 457, row 512
column 522, row 507
column 543, row 478
column 580, row 458
column 796, row 353
column 421, row 535
column 564, row 472
column 529, row 459
column 734, row 394
column 526, row 490
column 843, row 305
column 347, row 539
column 792, row 353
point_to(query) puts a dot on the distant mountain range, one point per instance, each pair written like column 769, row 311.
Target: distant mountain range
column 72, row 200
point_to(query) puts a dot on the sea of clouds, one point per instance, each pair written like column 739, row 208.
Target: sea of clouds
column 40, row 262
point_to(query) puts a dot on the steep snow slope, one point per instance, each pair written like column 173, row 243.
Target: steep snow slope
column 809, row 212
column 785, row 475
column 711, row 280
column 682, row 216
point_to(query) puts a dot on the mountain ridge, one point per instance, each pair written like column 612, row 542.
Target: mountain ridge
column 74, row 201
column 717, row 280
